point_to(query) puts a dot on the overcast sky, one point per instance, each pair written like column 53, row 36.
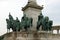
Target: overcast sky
column 51, row 9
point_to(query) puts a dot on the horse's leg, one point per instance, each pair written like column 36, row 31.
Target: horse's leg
column 14, row 29
column 29, row 27
column 50, row 28
column 38, row 27
column 25, row 28
column 19, row 29
column 43, row 27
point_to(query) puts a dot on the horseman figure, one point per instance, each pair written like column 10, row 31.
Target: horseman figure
column 26, row 22
column 13, row 24
column 39, row 23
column 44, row 22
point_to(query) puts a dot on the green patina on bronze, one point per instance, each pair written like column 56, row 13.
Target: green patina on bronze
column 26, row 23
column 16, row 25
column 44, row 22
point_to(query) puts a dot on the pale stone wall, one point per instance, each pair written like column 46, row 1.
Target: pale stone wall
column 32, row 12
column 31, row 36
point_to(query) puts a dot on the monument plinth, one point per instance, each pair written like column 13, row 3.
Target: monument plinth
column 32, row 10
column 31, row 36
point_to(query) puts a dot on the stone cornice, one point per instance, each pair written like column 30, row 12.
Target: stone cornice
column 32, row 5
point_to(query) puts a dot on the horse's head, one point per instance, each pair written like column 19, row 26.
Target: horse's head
column 50, row 22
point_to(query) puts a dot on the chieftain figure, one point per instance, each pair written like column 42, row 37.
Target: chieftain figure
column 9, row 22
column 50, row 25
column 23, row 22
column 16, row 25
column 8, row 25
column 44, row 22
column 26, row 22
column 39, row 23
column 13, row 24
column 47, row 24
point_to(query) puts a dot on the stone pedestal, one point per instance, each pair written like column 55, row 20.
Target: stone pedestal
column 34, row 35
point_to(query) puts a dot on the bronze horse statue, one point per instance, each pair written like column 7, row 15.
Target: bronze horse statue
column 16, row 25
column 26, row 22
column 44, row 22
column 13, row 24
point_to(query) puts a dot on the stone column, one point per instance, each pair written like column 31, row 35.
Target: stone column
column 57, row 31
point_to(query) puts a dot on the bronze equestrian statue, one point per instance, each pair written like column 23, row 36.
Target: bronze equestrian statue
column 16, row 25
column 44, row 22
